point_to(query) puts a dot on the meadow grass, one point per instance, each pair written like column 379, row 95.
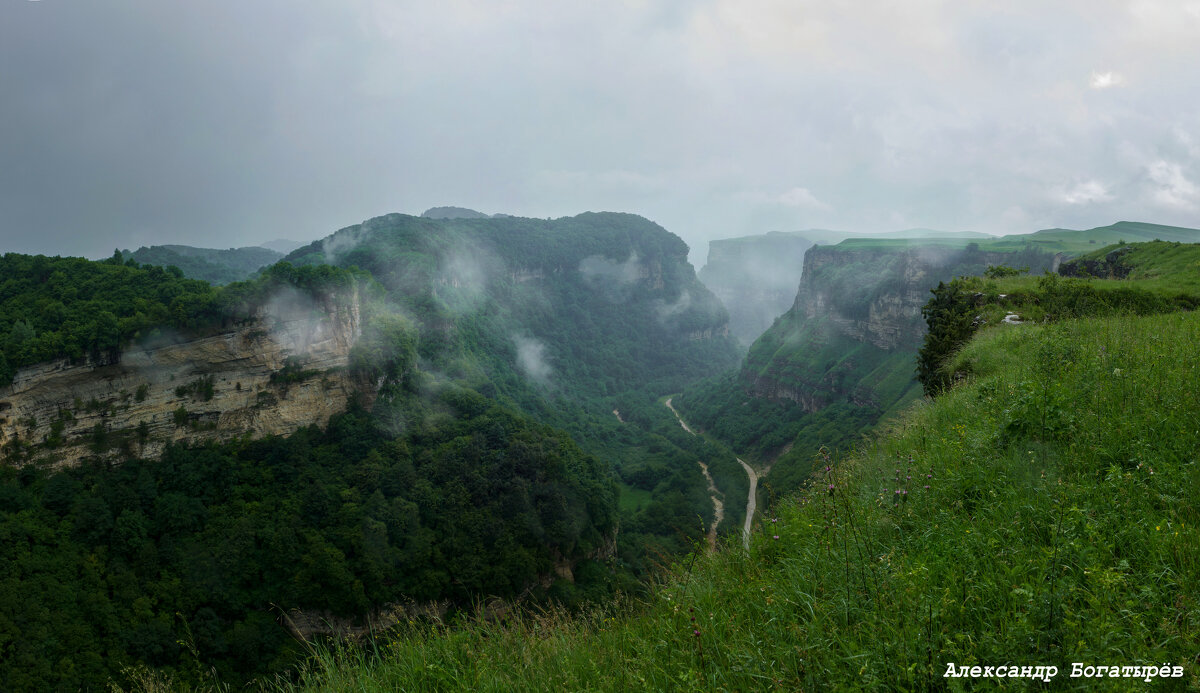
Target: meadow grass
column 1043, row 512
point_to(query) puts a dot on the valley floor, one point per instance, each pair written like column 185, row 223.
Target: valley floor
column 751, row 500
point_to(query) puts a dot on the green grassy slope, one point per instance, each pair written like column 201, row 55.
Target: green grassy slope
column 1041, row 512
column 1069, row 241
column 1162, row 266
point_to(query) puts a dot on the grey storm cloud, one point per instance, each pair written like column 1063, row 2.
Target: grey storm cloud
column 132, row 122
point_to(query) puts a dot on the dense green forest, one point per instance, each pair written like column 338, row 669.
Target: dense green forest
column 566, row 320
column 609, row 296
column 54, row 307
column 104, row 567
column 73, row 308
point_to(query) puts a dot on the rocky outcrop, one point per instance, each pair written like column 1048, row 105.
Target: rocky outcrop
column 855, row 319
column 1111, row 266
column 875, row 295
column 287, row 369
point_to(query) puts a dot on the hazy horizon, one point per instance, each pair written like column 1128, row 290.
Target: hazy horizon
column 131, row 123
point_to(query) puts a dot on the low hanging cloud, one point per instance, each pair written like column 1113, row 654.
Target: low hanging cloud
column 802, row 198
column 794, row 198
column 600, row 268
column 1171, row 186
column 341, row 243
column 531, row 359
column 465, row 274
column 1084, row 193
column 1106, row 80
column 664, row 311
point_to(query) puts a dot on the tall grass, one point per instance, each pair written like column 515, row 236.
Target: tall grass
column 1044, row 512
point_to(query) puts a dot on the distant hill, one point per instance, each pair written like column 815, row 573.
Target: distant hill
column 454, row 213
column 826, row 237
column 282, row 245
column 1068, row 242
column 211, row 265
column 1073, row 241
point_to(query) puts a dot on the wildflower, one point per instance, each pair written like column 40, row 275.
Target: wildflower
column 696, row 632
column 776, row 536
column 926, row 485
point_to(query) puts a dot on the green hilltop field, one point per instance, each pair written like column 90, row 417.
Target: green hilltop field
column 1040, row 511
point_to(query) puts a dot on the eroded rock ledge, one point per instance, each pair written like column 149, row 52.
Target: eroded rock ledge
column 283, row 371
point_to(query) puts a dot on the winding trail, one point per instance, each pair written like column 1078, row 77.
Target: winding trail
column 718, row 505
column 751, row 501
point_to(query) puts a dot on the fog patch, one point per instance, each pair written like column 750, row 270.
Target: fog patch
column 391, row 417
column 341, row 243
column 531, row 359
column 295, row 320
column 613, row 280
column 935, row 256
column 464, row 275
column 600, row 268
column 159, row 337
column 665, row 312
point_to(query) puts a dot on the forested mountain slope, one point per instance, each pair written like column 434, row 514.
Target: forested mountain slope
column 567, row 320
column 478, row 364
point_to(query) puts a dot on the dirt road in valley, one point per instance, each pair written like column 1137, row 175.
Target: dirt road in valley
column 751, row 501
column 718, row 505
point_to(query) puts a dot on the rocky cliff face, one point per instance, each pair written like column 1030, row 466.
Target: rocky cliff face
column 856, row 318
column 875, row 295
column 755, row 277
column 285, row 370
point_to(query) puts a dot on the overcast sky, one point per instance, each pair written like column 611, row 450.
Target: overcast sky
column 219, row 123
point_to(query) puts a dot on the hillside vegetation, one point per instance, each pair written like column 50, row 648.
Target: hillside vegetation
column 482, row 462
column 567, row 320
column 1039, row 512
